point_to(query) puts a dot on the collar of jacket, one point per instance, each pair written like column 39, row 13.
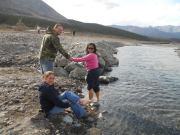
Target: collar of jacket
column 50, row 30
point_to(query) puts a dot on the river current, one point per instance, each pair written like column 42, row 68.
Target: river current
column 145, row 100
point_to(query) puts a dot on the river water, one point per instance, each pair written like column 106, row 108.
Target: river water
column 146, row 98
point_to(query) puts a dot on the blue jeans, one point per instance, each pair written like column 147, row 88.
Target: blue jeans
column 68, row 97
column 46, row 66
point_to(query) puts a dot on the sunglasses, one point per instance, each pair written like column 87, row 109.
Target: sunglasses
column 90, row 48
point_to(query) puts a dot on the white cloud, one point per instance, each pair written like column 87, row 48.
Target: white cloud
column 109, row 5
column 120, row 12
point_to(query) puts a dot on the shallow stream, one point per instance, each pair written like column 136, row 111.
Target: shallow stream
column 146, row 98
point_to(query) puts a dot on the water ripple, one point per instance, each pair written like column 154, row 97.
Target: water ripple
column 145, row 99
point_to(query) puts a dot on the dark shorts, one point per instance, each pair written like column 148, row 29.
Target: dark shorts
column 92, row 78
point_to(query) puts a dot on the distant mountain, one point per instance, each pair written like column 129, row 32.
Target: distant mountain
column 149, row 31
column 168, row 28
column 30, row 8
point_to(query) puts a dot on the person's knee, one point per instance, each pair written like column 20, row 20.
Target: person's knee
column 89, row 87
column 67, row 92
column 96, row 90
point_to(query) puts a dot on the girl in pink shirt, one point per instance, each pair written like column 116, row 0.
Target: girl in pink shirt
column 93, row 71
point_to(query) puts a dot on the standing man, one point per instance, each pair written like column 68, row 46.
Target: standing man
column 38, row 28
column 49, row 47
column 73, row 32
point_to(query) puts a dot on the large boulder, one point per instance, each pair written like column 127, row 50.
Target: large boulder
column 106, row 79
column 109, row 48
column 101, row 62
column 110, row 61
column 77, row 52
column 107, row 62
column 115, row 61
column 72, row 66
column 112, row 79
column 108, row 69
column 60, row 61
column 78, row 73
column 101, row 52
column 59, row 71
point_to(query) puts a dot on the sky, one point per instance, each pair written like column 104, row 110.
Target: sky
column 141, row 13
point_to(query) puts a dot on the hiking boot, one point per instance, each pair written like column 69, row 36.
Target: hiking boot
column 86, row 114
column 38, row 116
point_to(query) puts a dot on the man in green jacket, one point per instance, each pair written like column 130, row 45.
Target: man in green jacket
column 49, row 47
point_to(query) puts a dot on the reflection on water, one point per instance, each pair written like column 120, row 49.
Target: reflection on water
column 146, row 98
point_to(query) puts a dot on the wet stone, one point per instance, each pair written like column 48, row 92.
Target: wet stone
column 25, row 86
column 89, row 119
column 95, row 104
column 15, row 100
column 13, row 132
column 67, row 119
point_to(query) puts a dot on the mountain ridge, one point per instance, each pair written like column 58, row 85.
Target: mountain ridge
column 30, row 8
column 157, row 31
column 168, row 28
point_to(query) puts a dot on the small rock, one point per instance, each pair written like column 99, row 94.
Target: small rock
column 14, row 89
column 1, row 131
column 67, row 119
column 25, row 86
column 13, row 132
column 77, row 125
column 104, row 112
column 2, row 115
column 47, row 131
column 89, row 119
column 15, row 101
column 95, row 131
column 96, row 104
column 100, row 116
column 57, row 132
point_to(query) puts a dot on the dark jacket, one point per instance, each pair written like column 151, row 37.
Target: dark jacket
column 50, row 46
column 48, row 97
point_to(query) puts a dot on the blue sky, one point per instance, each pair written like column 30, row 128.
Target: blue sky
column 140, row 13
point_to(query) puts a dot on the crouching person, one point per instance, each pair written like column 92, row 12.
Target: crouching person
column 51, row 102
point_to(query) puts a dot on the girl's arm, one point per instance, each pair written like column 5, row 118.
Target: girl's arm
column 83, row 59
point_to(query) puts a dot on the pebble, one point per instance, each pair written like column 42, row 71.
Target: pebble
column 47, row 131
column 77, row 125
column 89, row 119
column 95, row 131
column 68, row 119
column 95, row 104
column 57, row 132
column 25, row 86
column 3, row 114
column 15, row 100
column 100, row 116
column 13, row 132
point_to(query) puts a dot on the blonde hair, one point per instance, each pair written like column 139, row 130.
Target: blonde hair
column 57, row 25
column 47, row 74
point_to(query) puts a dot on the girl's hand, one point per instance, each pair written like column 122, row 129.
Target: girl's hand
column 70, row 59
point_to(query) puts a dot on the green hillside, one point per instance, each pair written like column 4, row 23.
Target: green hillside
column 29, row 8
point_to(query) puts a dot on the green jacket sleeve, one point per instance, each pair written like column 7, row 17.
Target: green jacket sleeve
column 58, row 46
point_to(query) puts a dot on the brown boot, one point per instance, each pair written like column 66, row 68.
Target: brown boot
column 38, row 116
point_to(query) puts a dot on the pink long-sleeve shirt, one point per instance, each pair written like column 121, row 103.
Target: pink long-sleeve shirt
column 91, row 61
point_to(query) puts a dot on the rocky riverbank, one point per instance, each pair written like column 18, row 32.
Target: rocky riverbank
column 20, row 78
